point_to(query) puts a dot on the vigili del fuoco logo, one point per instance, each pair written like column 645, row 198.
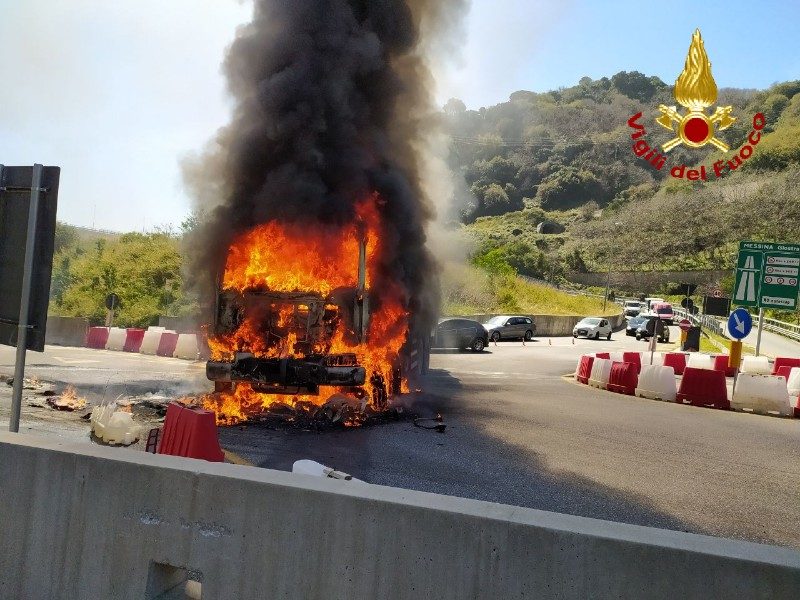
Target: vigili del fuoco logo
column 695, row 91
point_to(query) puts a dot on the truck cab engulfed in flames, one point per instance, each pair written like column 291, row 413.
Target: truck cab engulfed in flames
column 294, row 334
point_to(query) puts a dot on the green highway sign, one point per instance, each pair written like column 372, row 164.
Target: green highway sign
column 767, row 275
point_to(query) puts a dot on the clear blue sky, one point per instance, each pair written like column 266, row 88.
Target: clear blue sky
column 116, row 93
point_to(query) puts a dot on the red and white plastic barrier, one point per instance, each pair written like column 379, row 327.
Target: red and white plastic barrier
column 762, row 393
column 657, row 383
column 784, row 361
column 601, row 371
column 703, row 387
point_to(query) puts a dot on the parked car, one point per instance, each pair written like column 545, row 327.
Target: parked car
column 592, row 327
column 663, row 310
column 632, row 308
column 633, row 324
column 506, row 327
column 658, row 327
column 460, row 333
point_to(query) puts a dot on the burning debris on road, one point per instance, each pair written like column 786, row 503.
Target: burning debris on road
column 314, row 246
column 68, row 400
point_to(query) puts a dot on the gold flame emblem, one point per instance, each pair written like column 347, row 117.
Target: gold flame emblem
column 695, row 90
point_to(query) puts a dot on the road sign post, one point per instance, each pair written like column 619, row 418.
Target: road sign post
column 767, row 276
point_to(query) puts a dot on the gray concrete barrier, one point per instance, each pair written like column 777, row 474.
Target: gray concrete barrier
column 66, row 331
column 550, row 325
column 83, row 521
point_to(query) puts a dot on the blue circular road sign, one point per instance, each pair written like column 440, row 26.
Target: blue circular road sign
column 740, row 323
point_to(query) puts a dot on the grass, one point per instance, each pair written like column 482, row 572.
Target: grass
column 713, row 343
column 468, row 290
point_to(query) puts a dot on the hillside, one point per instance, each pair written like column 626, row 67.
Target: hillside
column 565, row 156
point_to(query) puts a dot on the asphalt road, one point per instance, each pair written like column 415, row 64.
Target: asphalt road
column 520, row 433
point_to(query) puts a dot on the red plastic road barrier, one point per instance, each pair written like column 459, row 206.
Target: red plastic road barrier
column 635, row 358
column 676, row 360
column 605, row 355
column 703, row 387
column 166, row 346
column 97, row 337
column 623, row 379
column 784, row 371
column 721, row 364
column 191, row 433
column 133, row 340
column 795, row 402
column 783, row 361
column 585, row 368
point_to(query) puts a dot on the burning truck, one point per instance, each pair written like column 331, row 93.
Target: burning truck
column 294, row 322
column 313, row 246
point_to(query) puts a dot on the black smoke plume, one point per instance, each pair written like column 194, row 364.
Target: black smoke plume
column 331, row 98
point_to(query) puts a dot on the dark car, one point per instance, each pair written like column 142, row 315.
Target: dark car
column 633, row 325
column 507, row 327
column 460, row 333
column 652, row 324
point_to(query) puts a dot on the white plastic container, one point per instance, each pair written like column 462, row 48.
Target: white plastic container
column 700, row 361
column 657, row 383
column 187, row 347
column 114, row 426
column 601, row 371
column 116, row 338
column 758, row 365
column 762, row 393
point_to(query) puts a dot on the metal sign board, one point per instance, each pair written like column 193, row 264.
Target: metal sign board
column 15, row 200
column 740, row 324
column 767, row 275
column 717, row 307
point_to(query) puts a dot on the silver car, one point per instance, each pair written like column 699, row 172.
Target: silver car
column 592, row 328
column 507, row 327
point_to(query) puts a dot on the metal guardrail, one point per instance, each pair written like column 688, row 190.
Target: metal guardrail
column 789, row 330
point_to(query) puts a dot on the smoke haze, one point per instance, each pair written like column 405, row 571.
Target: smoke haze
column 332, row 104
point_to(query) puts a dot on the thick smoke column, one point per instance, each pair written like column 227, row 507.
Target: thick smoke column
column 332, row 98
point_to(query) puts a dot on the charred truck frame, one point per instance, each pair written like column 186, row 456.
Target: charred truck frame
column 311, row 320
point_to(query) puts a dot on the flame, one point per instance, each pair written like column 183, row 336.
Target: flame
column 69, row 400
column 311, row 258
column 695, row 87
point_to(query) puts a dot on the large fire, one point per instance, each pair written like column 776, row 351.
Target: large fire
column 316, row 259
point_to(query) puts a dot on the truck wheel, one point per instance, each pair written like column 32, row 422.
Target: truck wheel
column 528, row 335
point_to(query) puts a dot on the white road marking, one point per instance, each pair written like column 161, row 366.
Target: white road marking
column 75, row 361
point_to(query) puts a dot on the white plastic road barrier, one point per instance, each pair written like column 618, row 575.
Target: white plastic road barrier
column 601, row 371
column 658, row 358
column 758, row 365
column 186, row 347
column 116, row 338
column 150, row 341
column 616, row 357
column 793, row 383
column 762, row 393
column 657, row 383
column 114, row 426
column 700, row 361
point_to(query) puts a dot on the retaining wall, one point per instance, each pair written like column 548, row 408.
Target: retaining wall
column 66, row 331
column 84, row 521
column 549, row 325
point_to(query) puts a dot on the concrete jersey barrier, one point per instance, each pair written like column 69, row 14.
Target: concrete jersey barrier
column 84, row 521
